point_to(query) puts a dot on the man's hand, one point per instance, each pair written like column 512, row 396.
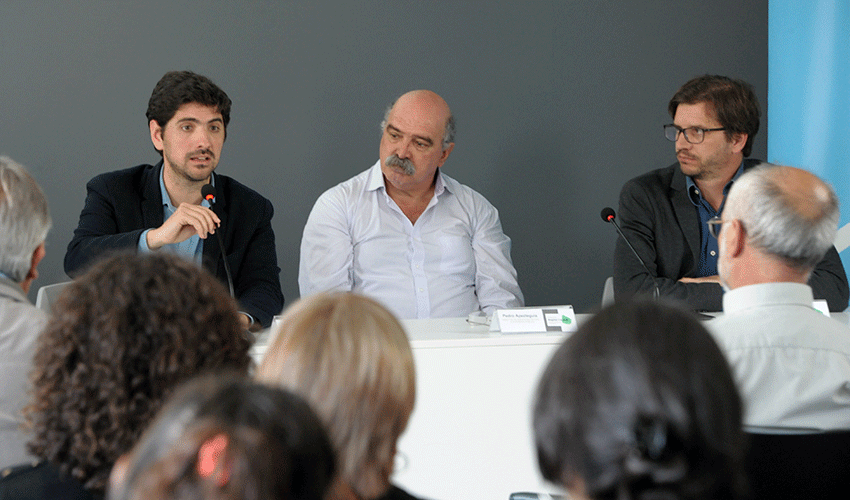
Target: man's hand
column 248, row 324
column 187, row 221
column 704, row 279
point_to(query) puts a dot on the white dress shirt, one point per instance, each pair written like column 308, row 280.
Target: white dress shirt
column 453, row 261
column 791, row 363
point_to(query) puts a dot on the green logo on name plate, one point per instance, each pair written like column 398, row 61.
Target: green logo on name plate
column 566, row 320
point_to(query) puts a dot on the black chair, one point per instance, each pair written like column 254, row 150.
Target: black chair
column 795, row 464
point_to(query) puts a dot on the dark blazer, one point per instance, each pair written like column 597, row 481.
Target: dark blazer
column 121, row 205
column 663, row 225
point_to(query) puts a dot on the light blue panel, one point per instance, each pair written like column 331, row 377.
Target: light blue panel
column 809, row 91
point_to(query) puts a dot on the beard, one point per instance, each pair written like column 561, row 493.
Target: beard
column 183, row 170
column 407, row 167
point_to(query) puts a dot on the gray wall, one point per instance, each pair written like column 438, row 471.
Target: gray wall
column 557, row 102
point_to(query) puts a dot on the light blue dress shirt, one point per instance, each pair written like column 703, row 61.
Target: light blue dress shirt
column 191, row 248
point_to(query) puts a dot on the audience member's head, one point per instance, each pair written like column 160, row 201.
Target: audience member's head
column 351, row 360
column 227, row 438
column 778, row 223
column 24, row 222
column 640, row 403
column 733, row 102
column 122, row 336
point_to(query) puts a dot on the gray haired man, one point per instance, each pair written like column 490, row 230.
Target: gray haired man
column 24, row 222
column 792, row 363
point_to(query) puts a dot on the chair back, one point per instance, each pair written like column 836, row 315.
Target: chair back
column 798, row 465
column 47, row 296
column 608, row 292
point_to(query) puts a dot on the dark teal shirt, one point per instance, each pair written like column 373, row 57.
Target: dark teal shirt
column 708, row 245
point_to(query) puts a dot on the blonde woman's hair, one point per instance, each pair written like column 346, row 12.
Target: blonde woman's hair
column 351, row 360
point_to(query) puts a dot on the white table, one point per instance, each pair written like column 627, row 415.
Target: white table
column 470, row 434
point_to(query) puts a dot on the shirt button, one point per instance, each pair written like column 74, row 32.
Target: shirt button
column 713, row 253
column 421, row 290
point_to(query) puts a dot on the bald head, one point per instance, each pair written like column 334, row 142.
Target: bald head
column 787, row 213
column 804, row 193
column 426, row 107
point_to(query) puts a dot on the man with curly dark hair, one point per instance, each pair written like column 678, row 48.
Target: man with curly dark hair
column 122, row 337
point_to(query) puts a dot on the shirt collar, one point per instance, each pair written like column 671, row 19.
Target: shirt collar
column 762, row 294
column 166, row 199
column 693, row 191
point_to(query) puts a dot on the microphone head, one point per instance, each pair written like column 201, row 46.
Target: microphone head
column 208, row 192
column 607, row 214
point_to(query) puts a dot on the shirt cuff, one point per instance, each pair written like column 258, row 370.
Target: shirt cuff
column 251, row 318
column 143, row 242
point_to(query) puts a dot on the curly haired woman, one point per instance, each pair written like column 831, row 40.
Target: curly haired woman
column 122, row 337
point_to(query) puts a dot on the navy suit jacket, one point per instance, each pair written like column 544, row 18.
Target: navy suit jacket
column 121, row 205
column 663, row 225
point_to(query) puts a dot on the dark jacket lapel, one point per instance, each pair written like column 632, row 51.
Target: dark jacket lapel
column 686, row 213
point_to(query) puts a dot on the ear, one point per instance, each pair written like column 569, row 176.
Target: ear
column 156, row 134
column 119, row 472
column 37, row 255
column 446, row 153
column 32, row 274
column 738, row 142
column 734, row 237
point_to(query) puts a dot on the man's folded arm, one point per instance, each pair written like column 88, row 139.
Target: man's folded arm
column 630, row 277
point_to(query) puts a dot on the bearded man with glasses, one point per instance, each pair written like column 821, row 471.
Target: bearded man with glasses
column 665, row 213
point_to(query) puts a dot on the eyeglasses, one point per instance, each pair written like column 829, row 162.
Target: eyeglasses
column 714, row 224
column 694, row 135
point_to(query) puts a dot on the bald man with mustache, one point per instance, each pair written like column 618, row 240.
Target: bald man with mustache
column 407, row 235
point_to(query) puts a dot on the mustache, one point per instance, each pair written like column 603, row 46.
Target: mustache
column 199, row 152
column 406, row 165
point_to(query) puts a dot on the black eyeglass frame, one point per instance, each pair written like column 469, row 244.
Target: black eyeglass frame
column 684, row 131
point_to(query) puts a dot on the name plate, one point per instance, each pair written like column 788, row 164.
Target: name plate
column 534, row 320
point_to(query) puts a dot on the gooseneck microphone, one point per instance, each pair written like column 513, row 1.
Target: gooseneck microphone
column 208, row 192
column 609, row 216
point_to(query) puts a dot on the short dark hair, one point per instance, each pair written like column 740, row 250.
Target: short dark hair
column 734, row 102
column 273, row 446
column 177, row 88
column 121, row 338
column 641, row 400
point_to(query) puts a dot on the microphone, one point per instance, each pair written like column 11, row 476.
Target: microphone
column 208, row 192
column 608, row 216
